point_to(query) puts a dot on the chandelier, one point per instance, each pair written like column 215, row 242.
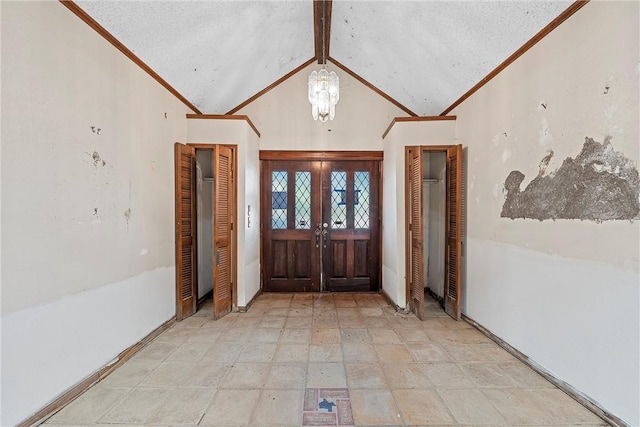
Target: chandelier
column 324, row 93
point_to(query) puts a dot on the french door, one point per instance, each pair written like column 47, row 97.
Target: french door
column 320, row 225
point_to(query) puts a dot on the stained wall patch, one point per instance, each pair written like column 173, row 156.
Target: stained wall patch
column 599, row 184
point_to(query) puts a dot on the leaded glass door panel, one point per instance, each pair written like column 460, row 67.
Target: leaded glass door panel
column 350, row 210
column 291, row 213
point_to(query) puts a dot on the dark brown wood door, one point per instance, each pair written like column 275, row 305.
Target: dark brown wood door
column 185, row 222
column 222, row 205
column 320, row 225
column 416, row 286
column 290, row 224
column 452, row 297
column 350, row 220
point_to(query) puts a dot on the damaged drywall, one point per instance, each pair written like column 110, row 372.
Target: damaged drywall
column 599, row 184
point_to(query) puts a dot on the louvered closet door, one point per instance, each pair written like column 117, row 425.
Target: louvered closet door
column 222, row 205
column 416, row 289
column 454, row 232
column 185, row 218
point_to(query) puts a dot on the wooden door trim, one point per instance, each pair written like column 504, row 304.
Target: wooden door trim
column 415, row 119
column 320, row 155
column 206, row 146
column 407, row 207
column 225, row 117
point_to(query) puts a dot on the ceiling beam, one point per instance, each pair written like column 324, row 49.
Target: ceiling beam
column 322, row 29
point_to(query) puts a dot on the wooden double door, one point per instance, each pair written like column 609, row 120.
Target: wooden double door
column 320, row 224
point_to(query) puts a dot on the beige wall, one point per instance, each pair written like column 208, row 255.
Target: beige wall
column 283, row 116
column 564, row 292
column 62, row 210
column 87, row 246
column 507, row 128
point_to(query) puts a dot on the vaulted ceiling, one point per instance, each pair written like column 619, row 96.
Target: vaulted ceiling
column 423, row 54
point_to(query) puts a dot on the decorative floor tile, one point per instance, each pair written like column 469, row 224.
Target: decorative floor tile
column 327, row 407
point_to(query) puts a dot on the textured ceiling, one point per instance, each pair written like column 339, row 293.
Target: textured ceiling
column 424, row 54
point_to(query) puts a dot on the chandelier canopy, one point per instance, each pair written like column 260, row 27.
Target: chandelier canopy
column 324, row 93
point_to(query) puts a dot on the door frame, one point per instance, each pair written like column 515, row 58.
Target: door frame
column 460, row 224
column 334, row 155
column 234, row 222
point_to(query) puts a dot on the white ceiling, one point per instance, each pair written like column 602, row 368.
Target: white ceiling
column 424, row 54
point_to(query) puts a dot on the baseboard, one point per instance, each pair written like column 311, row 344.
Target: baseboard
column 392, row 303
column 577, row 395
column 245, row 308
column 72, row 393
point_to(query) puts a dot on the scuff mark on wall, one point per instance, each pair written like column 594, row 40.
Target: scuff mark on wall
column 97, row 160
column 600, row 184
column 542, row 106
column 127, row 217
column 96, row 219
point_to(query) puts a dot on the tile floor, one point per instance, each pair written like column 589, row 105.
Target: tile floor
column 259, row 369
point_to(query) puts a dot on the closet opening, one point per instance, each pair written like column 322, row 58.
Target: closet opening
column 204, row 225
column 434, row 200
column 205, row 234
column 434, row 228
